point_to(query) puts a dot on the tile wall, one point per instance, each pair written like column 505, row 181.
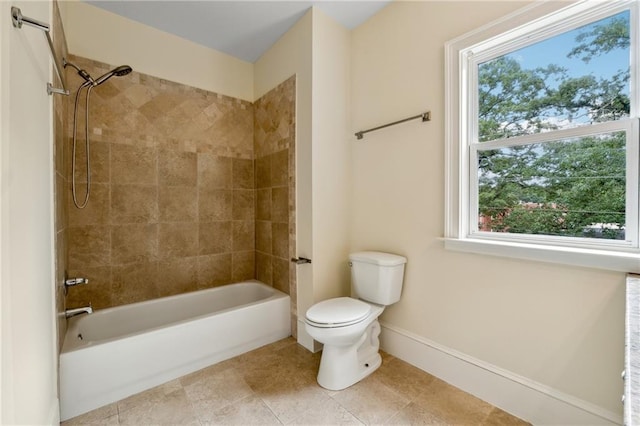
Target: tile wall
column 184, row 186
column 274, row 136
column 172, row 205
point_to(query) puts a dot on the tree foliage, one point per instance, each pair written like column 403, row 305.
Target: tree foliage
column 566, row 187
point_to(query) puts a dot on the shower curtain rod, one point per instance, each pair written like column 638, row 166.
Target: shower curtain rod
column 426, row 116
column 18, row 19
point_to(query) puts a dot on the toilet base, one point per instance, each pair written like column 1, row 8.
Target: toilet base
column 344, row 366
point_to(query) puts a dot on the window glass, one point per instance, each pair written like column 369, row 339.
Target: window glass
column 569, row 80
column 572, row 187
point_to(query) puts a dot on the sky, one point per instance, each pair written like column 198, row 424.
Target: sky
column 555, row 50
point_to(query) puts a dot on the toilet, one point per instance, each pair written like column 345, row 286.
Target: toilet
column 348, row 326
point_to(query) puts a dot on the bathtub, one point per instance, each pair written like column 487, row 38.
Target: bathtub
column 117, row 352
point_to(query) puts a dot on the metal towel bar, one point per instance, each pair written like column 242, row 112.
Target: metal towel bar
column 18, row 19
column 426, row 116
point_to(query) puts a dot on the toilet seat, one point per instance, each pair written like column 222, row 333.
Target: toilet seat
column 338, row 312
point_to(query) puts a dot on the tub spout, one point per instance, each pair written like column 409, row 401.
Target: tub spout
column 75, row 281
column 78, row 311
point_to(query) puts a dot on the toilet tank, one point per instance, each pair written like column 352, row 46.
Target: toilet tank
column 377, row 277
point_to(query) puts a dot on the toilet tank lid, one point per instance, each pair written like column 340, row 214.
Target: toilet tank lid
column 378, row 258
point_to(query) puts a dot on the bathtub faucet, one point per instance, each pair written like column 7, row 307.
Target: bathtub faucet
column 78, row 311
column 75, row 281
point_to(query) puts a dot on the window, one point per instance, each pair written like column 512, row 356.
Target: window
column 542, row 137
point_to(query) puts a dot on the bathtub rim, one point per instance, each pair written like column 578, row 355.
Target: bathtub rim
column 72, row 322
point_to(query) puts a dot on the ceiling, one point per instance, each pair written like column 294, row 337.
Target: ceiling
column 243, row 29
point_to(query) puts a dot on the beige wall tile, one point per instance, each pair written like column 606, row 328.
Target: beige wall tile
column 214, row 270
column 177, row 276
column 88, row 246
column 60, row 190
column 134, row 164
column 263, row 172
column 177, row 203
column 134, row 203
column 134, row 243
column 280, row 168
column 280, row 204
column 177, row 168
column 95, row 212
column 243, row 265
column 61, row 256
column 280, row 274
column 215, row 237
column 214, row 204
column 177, row 239
column 214, row 172
column 263, row 236
column 280, row 240
column 99, row 153
column 243, row 235
column 243, row 204
column 134, row 282
column 243, row 174
column 264, row 270
column 263, row 204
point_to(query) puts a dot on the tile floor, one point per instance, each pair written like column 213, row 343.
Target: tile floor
column 276, row 385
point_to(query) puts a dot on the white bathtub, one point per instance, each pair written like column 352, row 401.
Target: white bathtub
column 117, row 352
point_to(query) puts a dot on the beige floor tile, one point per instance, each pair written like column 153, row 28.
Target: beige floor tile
column 216, row 390
column 404, row 378
column 291, row 399
column 415, row 414
column 107, row 415
column 172, row 409
column 329, row 412
column 371, row 401
column 205, row 373
column 248, row 411
column 151, row 396
column 453, row 405
column 497, row 417
column 266, row 369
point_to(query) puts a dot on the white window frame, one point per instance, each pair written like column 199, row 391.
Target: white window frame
column 527, row 26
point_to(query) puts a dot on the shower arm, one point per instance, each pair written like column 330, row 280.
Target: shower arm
column 18, row 20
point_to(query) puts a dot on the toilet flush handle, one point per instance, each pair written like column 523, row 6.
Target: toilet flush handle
column 300, row 260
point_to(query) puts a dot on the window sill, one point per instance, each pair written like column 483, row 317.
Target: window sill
column 599, row 259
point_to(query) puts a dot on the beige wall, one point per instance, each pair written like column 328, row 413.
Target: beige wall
column 560, row 326
column 28, row 365
column 331, row 158
column 106, row 37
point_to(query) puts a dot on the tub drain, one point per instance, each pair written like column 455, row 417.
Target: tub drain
column 79, row 336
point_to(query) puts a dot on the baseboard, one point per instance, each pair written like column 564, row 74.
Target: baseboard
column 518, row 395
column 54, row 412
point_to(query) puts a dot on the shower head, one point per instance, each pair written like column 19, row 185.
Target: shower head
column 118, row 72
column 82, row 73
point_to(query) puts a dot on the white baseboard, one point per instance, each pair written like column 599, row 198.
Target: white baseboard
column 515, row 394
column 54, row 412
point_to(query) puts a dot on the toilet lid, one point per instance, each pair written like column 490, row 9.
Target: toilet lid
column 340, row 311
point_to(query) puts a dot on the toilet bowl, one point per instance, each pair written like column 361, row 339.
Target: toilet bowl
column 350, row 341
column 348, row 327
